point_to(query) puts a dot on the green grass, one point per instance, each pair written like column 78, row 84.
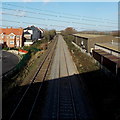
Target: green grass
column 28, row 66
column 83, row 62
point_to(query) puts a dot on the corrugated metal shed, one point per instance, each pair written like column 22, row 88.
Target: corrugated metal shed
column 108, row 60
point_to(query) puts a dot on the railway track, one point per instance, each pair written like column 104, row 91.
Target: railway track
column 60, row 103
column 60, row 97
column 66, row 108
column 25, row 106
column 65, row 99
column 77, row 108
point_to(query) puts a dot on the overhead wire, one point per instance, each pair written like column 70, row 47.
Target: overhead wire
column 63, row 14
column 47, row 19
column 52, row 19
column 53, row 15
column 32, row 23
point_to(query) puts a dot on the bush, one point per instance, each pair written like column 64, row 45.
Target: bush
column 6, row 48
column 49, row 35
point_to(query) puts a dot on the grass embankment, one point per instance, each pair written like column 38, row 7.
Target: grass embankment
column 28, row 69
column 101, row 89
column 15, row 87
column 83, row 62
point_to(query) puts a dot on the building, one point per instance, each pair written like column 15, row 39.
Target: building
column 32, row 34
column 11, row 37
column 87, row 41
column 41, row 33
column 58, row 32
column 109, row 61
column 110, row 47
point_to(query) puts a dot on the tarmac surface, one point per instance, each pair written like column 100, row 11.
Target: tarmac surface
column 9, row 61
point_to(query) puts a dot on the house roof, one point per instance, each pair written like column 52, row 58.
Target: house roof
column 34, row 28
column 7, row 31
column 88, row 35
column 31, row 28
column 41, row 29
column 28, row 28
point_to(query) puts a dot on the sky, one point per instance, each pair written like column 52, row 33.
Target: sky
column 101, row 16
column 60, row 0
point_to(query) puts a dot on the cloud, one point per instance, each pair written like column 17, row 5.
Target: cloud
column 28, row 0
column 21, row 13
column 46, row 1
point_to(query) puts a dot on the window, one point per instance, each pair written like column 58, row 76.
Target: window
column 17, row 36
column 28, row 36
column 1, row 41
column 11, row 42
column 11, row 37
column 2, row 36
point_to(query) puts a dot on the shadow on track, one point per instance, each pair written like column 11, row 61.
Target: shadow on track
column 99, row 94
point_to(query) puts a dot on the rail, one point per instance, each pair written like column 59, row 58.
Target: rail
column 70, row 86
column 41, row 86
column 69, row 90
column 32, row 81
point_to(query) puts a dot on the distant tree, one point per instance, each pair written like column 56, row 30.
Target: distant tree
column 49, row 34
column 115, row 33
column 46, row 35
column 68, row 31
column 52, row 33
column 119, row 33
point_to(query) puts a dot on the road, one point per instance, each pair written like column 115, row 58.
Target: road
column 65, row 98
column 9, row 60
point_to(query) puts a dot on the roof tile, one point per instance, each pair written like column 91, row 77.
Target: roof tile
column 7, row 31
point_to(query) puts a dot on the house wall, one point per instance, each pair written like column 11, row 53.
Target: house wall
column 17, row 41
column 28, row 36
column 11, row 41
column 36, row 34
column 12, row 37
column 30, row 31
column 41, row 33
column 1, row 39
